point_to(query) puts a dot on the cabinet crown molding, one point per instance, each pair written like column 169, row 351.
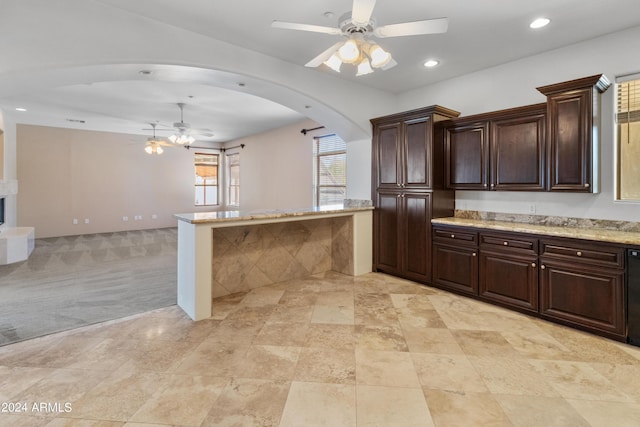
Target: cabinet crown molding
column 599, row 81
column 436, row 110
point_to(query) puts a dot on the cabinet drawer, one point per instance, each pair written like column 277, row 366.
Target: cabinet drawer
column 509, row 241
column 594, row 254
column 457, row 236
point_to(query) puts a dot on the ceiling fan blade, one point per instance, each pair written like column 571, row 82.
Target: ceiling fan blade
column 362, row 10
column 391, row 64
column 429, row 26
column 305, row 27
column 315, row 62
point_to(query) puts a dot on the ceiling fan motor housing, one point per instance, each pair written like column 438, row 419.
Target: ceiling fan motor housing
column 348, row 27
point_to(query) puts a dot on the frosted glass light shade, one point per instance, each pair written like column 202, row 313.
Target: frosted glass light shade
column 334, row 63
column 379, row 56
column 349, row 51
column 364, row 67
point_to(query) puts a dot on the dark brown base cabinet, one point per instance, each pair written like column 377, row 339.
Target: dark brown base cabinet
column 455, row 260
column 582, row 285
column 509, row 279
column 402, row 227
column 573, row 282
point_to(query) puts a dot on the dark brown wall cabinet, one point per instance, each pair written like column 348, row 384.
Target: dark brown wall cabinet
column 551, row 146
column 408, row 190
column 502, row 150
column 573, row 282
column 573, row 125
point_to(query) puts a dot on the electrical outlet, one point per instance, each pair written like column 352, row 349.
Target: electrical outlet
column 125, row 218
column 75, row 221
column 86, row 220
column 154, row 216
column 532, row 208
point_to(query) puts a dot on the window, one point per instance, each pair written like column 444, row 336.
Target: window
column 330, row 170
column 233, row 179
column 628, row 129
column 206, row 171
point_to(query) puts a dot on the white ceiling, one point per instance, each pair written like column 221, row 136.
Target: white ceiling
column 481, row 34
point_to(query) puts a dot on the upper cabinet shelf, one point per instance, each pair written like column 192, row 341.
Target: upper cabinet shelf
column 541, row 147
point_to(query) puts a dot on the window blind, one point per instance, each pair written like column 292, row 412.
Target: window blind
column 628, row 101
column 330, row 167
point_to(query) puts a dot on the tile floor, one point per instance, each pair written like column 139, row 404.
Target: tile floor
column 331, row 350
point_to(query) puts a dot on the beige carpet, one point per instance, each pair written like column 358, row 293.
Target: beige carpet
column 79, row 280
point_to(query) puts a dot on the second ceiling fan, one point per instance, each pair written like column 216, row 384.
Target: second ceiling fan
column 183, row 133
column 358, row 27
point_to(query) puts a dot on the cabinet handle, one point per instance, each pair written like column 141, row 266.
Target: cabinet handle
column 533, row 264
column 579, row 253
column 402, row 195
column 505, row 243
column 474, row 254
column 453, row 236
column 586, row 185
column 542, row 267
column 398, row 184
column 493, row 185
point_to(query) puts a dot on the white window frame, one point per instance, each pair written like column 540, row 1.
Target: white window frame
column 317, row 165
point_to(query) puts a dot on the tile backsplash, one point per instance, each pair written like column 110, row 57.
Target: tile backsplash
column 557, row 221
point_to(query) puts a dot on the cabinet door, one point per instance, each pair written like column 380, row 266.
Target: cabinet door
column 518, row 153
column 467, row 156
column 591, row 299
column 417, row 236
column 455, row 268
column 387, row 222
column 509, row 279
column 388, row 152
column 570, row 127
column 417, row 153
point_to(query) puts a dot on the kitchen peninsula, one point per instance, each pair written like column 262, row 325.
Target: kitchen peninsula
column 225, row 252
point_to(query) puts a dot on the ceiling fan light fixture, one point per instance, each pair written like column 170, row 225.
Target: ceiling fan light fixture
column 379, row 56
column 334, row 63
column 148, row 149
column 364, row 67
column 182, row 139
column 349, row 52
column 159, row 150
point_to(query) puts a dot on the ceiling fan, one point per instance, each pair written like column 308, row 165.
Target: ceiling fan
column 153, row 144
column 183, row 133
column 359, row 27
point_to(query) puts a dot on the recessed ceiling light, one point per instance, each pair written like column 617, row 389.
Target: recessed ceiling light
column 539, row 23
column 20, row 109
column 431, row 63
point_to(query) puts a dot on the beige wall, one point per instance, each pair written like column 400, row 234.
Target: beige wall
column 276, row 168
column 1, row 154
column 66, row 174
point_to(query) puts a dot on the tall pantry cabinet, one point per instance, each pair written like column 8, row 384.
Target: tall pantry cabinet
column 408, row 189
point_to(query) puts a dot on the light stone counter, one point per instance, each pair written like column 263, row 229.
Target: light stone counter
column 220, row 217
column 226, row 252
column 597, row 234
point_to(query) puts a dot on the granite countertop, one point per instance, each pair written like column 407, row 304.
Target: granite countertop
column 597, row 234
column 228, row 216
